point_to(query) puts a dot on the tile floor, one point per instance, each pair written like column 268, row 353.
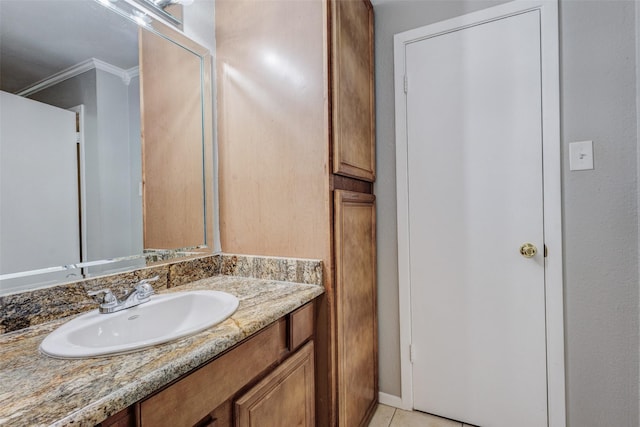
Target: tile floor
column 386, row 416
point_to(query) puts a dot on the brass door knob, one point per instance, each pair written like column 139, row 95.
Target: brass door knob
column 528, row 250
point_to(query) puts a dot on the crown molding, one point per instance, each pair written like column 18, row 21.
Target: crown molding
column 132, row 73
column 78, row 69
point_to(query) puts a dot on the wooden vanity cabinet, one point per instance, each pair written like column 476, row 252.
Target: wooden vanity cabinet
column 191, row 399
column 270, row 372
column 295, row 108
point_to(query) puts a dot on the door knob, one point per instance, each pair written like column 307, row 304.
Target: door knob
column 528, row 250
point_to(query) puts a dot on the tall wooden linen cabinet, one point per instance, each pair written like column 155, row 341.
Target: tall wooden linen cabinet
column 295, row 110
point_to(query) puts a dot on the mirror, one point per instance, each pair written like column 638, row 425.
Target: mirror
column 105, row 153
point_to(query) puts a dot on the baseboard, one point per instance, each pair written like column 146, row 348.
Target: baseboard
column 390, row 400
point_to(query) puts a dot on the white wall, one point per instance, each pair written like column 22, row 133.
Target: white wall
column 114, row 166
column 135, row 153
column 638, row 123
column 112, row 161
column 600, row 213
column 199, row 21
column 117, row 233
column 600, row 207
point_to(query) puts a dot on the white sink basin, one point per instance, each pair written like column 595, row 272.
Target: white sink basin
column 164, row 318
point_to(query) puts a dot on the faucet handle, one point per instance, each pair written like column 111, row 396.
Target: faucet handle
column 145, row 290
column 108, row 300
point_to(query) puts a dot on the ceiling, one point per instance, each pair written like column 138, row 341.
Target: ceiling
column 39, row 38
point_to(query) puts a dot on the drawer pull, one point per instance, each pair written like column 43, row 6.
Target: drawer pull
column 207, row 421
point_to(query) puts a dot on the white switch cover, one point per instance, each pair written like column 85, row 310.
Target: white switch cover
column 581, row 155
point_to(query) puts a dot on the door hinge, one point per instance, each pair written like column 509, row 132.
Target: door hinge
column 545, row 251
column 406, row 83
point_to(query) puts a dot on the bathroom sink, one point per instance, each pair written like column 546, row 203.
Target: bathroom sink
column 164, row 318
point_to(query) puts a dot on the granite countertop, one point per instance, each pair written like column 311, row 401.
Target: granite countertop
column 39, row 390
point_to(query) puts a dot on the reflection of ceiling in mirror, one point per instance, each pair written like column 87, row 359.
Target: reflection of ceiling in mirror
column 42, row 37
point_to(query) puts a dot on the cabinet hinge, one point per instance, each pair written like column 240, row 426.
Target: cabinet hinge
column 406, row 83
column 546, row 252
column 411, row 353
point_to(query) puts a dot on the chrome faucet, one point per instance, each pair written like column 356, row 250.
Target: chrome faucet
column 140, row 294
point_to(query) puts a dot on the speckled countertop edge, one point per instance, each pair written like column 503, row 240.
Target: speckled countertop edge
column 38, row 390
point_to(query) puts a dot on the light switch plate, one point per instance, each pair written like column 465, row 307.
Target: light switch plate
column 581, row 155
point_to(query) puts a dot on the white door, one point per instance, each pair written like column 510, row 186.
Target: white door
column 475, row 178
column 39, row 224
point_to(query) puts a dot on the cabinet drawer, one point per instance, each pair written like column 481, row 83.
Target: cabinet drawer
column 300, row 326
column 124, row 418
column 190, row 399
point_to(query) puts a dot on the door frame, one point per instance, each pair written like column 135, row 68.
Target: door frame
column 552, row 202
column 82, row 202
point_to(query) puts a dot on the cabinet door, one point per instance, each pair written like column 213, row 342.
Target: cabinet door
column 355, row 260
column 285, row 397
column 353, row 89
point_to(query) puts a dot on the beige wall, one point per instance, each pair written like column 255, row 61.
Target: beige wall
column 598, row 102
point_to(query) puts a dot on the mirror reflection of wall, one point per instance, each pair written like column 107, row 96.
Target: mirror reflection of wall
column 73, row 193
column 173, row 179
column 110, row 166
